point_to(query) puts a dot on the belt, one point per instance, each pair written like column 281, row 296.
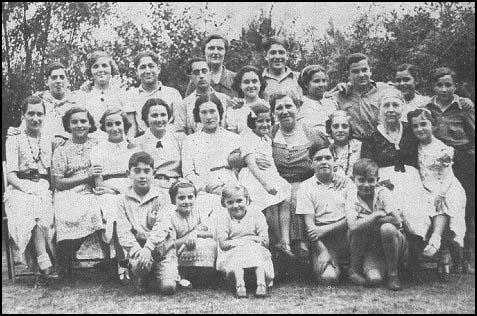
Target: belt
column 114, row 176
column 32, row 176
column 164, row 177
column 221, row 167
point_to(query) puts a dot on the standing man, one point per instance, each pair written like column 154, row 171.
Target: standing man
column 277, row 75
column 147, row 69
column 361, row 97
column 215, row 47
column 200, row 77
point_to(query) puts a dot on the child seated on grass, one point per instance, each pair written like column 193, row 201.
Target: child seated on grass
column 243, row 239
column 377, row 244
column 195, row 243
column 323, row 207
column 144, row 230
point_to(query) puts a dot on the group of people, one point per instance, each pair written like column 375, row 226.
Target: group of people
column 249, row 170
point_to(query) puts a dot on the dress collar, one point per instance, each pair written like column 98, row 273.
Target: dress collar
column 395, row 142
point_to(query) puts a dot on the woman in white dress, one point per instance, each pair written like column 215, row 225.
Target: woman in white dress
column 77, row 211
column 28, row 203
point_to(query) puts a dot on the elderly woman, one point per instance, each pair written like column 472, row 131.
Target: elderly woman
column 315, row 109
column 77, row 212
column 28, row 203
column 249, row 85
column 162, row 141
column 205, row 153
column 103, row 94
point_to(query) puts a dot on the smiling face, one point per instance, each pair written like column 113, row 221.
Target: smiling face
column 57, row 82
column 236, row 204
column 200, row 74
column 422, row 128
column 34, row 116
column 391, row 109
column 360, row 74
column 285, row 111
column 79, row 125
column 365, row 184
column 157, row 118
column 114, row 127
column 209, row 116
column 250, row 85
column 101, row 71
column 277, row 57
column 340, row 129
column 444, row 88
column 323, row 163
column 263, row 124
column 141, row 176
column 405, row 82
column 215, row 51
column 185, row 200
column 317, row 85
column 147, row 70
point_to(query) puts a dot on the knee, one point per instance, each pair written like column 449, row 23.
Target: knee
column 388, row 230
column 373, row 277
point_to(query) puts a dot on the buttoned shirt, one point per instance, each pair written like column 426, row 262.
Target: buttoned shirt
column 287, row 82
column 184, row 113
column 137, row 97
column 455, row 125
column 223, row 86
column 382, row 201
column 147, row 216
column 363, row 108
column 324, row 201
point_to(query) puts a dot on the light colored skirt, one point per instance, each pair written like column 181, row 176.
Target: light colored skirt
column 77, row 213
column 258, row 195
column 203, row 255
column 246, row 256
column 24, row 211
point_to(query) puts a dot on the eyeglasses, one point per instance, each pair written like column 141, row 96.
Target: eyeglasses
column 197, row 72
column 320, row 158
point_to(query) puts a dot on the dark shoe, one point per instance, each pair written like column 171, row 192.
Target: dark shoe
column 241, row 291
column 394, row 283
column 261, row 290
column 443, row 266
column 356, row 278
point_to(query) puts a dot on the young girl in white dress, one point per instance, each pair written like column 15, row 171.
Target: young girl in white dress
column 243, row 240
column 267, row 189
column 445, row 191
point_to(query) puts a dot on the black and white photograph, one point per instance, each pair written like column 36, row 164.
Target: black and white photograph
column 238, row 157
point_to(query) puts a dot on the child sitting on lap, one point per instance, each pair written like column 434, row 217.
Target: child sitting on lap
column 144, row 230
column 377, row 244
column 243, row 241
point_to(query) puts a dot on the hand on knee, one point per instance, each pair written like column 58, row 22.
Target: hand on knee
column 388, row 230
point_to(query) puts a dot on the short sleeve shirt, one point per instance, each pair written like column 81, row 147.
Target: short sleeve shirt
column 326, row 203
column 315, row 113
column 288, row 82
column 382, row 201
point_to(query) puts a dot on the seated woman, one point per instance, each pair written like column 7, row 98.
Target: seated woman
column 77, row 211
column 249, row 85
column 205, row 153
column 162, row 141
column 28, row 203
column 445, row 192
column 316, row 109
column 346, row 151
column 113, row 156
column 195, row 243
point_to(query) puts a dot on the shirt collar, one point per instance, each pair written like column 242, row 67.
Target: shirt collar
column 154, row 192
column 365, row 205
column 455, row 101
column 211, row 91
column 373, row 88
column 286, row 74
column 328, row 185
column 159, row 88
column 396, row 142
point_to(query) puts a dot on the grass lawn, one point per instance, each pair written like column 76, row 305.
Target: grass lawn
column 93, row 292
